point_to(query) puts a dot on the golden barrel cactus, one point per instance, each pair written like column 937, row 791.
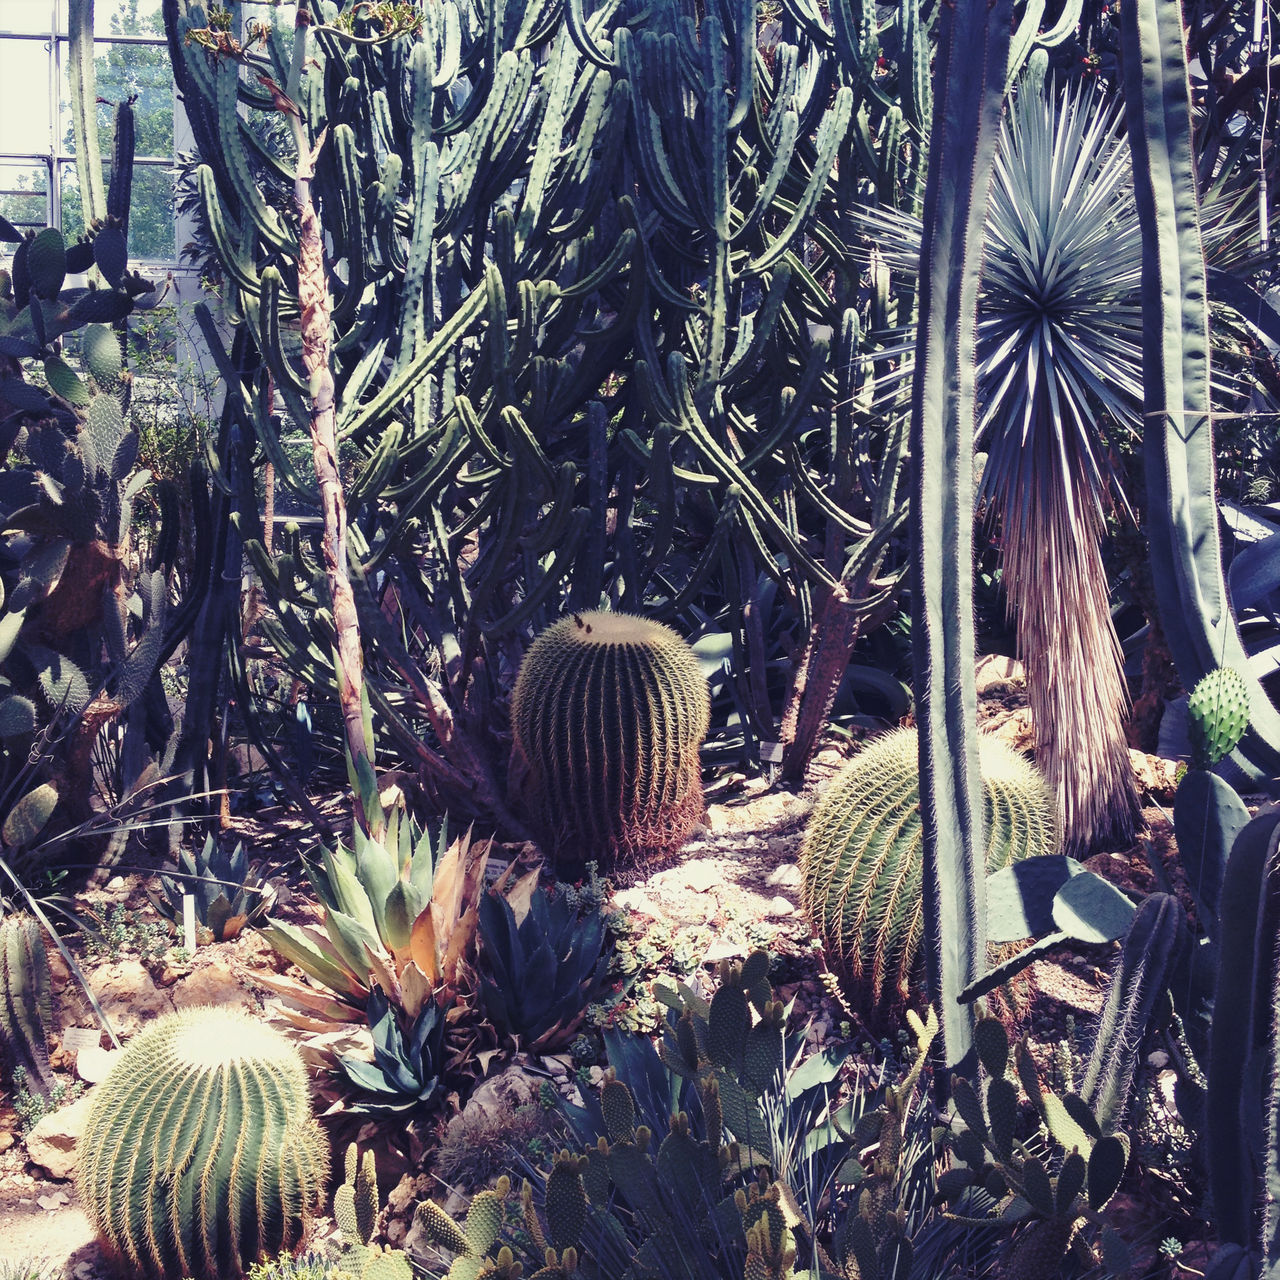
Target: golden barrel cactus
column 862, row 860
column 200, row 1156
column 608, row 714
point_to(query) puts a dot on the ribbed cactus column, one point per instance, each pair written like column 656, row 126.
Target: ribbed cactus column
column 200, row 1155
column 608, row 714
column 1177, row 445
column 973, row 54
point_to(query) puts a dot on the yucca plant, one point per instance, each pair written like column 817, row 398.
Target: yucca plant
column 1059, row 369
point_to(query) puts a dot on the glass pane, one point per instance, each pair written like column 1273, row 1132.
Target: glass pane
column 113, row 17
column 24, row 96
column 24, row 194
column 27, row 16
column 151, row 232
column 125, row 70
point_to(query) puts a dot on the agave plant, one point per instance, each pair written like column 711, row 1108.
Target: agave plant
column 408, row 1062
column 399, row 914
column 541, row 971
column 228, row 896
column 1059, row 372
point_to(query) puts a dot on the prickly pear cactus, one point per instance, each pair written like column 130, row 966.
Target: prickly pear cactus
column 861, row 857
column 200, row 1155
column 608, row 714
column 1219, row 715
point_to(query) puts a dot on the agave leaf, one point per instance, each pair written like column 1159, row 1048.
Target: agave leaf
column 315, row 954
column 348, row 892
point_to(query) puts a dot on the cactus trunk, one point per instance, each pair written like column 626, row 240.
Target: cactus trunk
column 971, row 65
column 1178, row 449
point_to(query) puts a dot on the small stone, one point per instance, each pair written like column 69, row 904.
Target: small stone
column 634, row 900
column 395, row 1231
column 786, row 876
column 700, row 876
column 92, row 1064
column 116, row 884
column 779, row 907
column 717, row 818
column 597, row 1076
column 995, row 671
column 6, row 1139
column 1158, row 1059
column 53, row 1201
column 559, row 1064
column 51, row 1145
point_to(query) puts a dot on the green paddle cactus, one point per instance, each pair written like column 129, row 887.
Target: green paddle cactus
column 608, row 714
column 200, row 1155
column 861, row 857
column 1219, row 715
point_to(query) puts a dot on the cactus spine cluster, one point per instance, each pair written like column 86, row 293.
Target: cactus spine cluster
column 608, row 714
column 200, row 1155
column 863, row 852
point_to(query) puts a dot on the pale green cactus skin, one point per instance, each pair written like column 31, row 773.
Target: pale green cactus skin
column 200, row 1155
column 608, row 714
column 1219, row 715
column 863, row 855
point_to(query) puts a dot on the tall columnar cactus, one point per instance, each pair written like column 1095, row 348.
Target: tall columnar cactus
column 971, row 66
column 863, row 855
column 200, row 1155
column 607, row 715
column 1152, row 948
column 25, row 1006
column 1178, row 449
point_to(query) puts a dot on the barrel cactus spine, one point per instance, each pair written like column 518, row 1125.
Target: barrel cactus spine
column 608, row 714
column 200, row 1153
column 862, row 857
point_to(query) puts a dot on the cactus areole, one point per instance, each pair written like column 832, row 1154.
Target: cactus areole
column 200, row 1155
column 608, row 714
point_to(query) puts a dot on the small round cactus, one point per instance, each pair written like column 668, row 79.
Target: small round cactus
column 200, row 1155
column 607, row 715
column 1219, row 715
column 862, row 858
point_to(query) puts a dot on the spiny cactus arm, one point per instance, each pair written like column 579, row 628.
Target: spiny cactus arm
column 1177, row 407
column 84, row 109
column 25, row 1013
column 1148, row 956
column 1238, row 1032
column 972, row 58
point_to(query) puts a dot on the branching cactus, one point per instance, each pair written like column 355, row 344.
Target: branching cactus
column 200, row 1155
column 863, row 852
column 608, row 714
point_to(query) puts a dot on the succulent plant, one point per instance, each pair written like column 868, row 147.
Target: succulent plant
column 227, row 895
column 408, row 1063
column 25, row 1005
column 997, row 1166
column 399, row 913
column 355, row 1211
column 538, row 974
column 200, row 1155
column 1219, row 715
column 862, row 856
column 608, row 714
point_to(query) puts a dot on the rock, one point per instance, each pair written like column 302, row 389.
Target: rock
column 996, row 671
column 722, row 948
column 128, row 996
column 214, row 983
column 1156, row 775
column 779, row 907
column 92, row 1064
column 559, row 1064
column 51, row 1145
column 636, row 900
column 786, row 876
column 717, row 818
column 699, row 876
column 6, row 1139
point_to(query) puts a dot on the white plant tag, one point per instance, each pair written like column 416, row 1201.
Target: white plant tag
column 771, row 752
column 75, row 1039
column 189, row 921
